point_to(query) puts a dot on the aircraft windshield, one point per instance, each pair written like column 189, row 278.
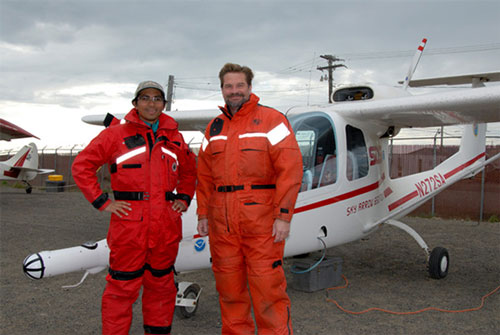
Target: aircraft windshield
column 316, row 138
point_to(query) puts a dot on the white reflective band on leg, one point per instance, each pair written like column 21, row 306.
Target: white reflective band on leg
column 130, row 154
column 170, row 153
column 278, row 134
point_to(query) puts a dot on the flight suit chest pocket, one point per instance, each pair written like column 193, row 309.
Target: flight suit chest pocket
column 217, row 149
column 128, row 169
column 254, row 161
column 170, row 166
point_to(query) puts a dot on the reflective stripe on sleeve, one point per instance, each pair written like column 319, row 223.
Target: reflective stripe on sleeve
column 204, row 143
column 278, row 134
column 170, row 153
column 275, row 135
column 130, row 154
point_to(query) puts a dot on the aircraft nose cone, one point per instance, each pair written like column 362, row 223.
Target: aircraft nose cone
column 33, row 266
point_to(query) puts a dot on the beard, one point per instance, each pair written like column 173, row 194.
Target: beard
column 235, row 105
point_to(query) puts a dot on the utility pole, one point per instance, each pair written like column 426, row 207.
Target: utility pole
column 170, row 92
column 331, row 67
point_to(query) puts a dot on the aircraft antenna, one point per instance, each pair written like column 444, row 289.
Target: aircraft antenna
column 414, row 63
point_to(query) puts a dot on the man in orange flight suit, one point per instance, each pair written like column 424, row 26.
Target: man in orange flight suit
column 148, row 160
column 249, row 175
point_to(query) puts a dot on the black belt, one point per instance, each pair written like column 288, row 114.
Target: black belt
column 133, row 196
column 232, row 188
column 136, row 196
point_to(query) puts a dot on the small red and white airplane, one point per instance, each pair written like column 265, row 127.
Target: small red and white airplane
column 347, row 192
column 23, row 166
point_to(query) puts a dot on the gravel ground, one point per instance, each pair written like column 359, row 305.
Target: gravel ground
column 386, row 271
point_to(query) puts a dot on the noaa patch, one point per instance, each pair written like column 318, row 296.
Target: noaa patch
column 475, row 129
column 199, row 245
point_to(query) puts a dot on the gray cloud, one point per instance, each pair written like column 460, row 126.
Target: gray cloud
column 50, row 45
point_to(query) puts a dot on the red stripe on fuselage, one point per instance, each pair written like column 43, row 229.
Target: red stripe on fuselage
column 447, row 175
column 464, row 165
column 401, row 201
column 338, row 198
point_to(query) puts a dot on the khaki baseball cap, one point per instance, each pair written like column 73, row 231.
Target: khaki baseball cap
column 148, row 84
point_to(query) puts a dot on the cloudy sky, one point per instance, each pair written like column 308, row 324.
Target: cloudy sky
column 60, row 60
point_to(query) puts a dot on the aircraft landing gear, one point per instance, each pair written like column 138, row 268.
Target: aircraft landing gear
column 28, row 187
column 188, row 295
column 438, row 261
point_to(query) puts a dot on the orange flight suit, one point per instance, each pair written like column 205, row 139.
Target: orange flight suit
column 249, row 174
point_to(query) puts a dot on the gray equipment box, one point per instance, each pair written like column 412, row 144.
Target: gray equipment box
column 326, row 274
column 54, row 186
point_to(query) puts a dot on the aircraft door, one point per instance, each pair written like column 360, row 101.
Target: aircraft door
column 316, row 138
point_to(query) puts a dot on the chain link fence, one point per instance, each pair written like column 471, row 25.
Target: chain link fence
column 477, row 198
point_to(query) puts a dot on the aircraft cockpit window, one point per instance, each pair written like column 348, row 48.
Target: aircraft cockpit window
column 357, row 157
column 316, row 138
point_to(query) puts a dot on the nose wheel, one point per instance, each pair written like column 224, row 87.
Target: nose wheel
column 439, row 261
column 188, row 296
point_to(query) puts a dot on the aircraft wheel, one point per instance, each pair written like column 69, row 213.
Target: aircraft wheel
column 28, row 190
column 439, row 261
column 190, row 293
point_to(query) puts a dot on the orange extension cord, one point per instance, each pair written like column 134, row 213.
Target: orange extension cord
column 405, row 313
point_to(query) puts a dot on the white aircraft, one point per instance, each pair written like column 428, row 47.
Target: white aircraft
column 23, row 166
column 347, row 192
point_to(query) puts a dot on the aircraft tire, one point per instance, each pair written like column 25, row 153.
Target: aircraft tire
column 28, row 190
column 439, row 262
column 187, row 312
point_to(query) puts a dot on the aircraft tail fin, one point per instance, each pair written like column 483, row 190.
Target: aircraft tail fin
column 470, row 158
column 26, row 158
column 414, row 63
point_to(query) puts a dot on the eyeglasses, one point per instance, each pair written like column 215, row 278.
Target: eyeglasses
column 147, row 98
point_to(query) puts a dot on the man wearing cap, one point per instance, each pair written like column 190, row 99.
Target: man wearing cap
column 148, row 160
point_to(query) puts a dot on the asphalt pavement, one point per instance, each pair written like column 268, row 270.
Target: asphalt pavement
column 386, row 271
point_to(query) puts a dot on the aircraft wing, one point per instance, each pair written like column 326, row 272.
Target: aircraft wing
column 187, row 120
column 27, row 169
column 473, row 105
column 9, row 131
column 455, row 80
